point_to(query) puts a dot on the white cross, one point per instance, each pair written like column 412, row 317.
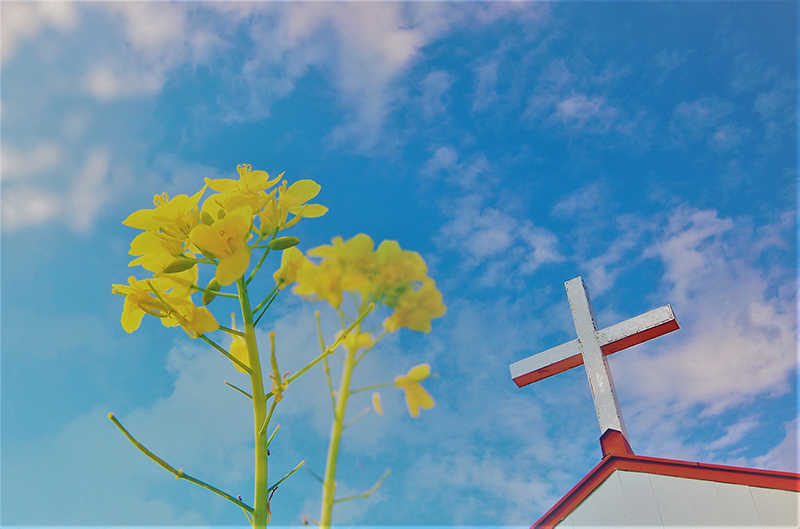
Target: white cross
column 591, row 349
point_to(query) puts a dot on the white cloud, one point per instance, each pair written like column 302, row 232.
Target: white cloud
column 727, row 136
column 434, row 97
column 565, row 100
column 485, row 85
column 733, row 434
column 443, row 159
column 585, row 201
column 738, row 335
column 25, row 20
column 577, row 110
column 88, row 193
column 784, row 455
column 18, row 164
column 28, row 206
column 697, row 121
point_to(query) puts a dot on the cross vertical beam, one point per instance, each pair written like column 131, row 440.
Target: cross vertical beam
column 590, row 349
column 604, row 393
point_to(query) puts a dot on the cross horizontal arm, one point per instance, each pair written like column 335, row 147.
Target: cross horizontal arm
column 611, row 339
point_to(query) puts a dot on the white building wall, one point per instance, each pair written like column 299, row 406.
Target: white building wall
column 627, row 499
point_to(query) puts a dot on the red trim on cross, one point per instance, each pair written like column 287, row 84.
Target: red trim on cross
column 615, row 460
column 640, row 337
column 549, row 371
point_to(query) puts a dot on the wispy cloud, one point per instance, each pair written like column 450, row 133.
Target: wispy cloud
column 487, row 234
column 24, row 21
column 738, row 336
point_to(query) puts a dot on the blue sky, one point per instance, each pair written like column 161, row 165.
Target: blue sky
column 648, row 147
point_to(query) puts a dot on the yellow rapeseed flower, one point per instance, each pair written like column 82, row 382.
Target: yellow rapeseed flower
column 292, row 261
column 167, row 228
column 167, row 297
column 292, row 200
column 233, row 194
column 226, row 240
column 416, row 309
column 416, row 396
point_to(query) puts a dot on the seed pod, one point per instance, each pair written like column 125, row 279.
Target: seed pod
column 179, row 264
column 208, row 297
column 282, row 243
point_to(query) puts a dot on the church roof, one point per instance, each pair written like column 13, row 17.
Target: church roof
column 619, row 456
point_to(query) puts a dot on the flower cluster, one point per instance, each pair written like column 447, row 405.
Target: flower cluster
column 389, row 275
column 179, row 233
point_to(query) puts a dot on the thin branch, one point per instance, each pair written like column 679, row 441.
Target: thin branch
column 179, row 474
column 227, row 354
column 231, row 331
column 376, row 386
column 333, row 346
column 316, row 476
column 273, row 435
column 369, row 492
column 306, row 519
column 369, row 348
column 215, row 292
column 243, row 392
column 269, row 416
column 264, row 311
column 366, row 410
column 295, row 469
column 266, row 298
column 326, row 366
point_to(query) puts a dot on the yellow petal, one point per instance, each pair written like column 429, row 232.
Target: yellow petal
column 131, row 314
column 207, row 238
column 416, row 398
column 300, row 192
column 376, row 403
column 202, row 321
column 223, row 185
column 239, row 351
column 234, row 266
column 419, row 372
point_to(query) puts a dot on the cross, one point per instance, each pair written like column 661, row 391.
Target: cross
column 591, row 349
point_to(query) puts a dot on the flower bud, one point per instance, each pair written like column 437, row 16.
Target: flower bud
column 179, row 264
column 213, row 286
column 282, row 243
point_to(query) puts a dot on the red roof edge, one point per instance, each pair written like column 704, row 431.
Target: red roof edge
column 614, row 447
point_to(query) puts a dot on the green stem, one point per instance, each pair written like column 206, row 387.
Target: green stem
column 329, row 482
column 179, row 474
column 261, row 261
column 261, row 496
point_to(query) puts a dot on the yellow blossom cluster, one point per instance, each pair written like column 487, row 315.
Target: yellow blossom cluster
column 179, row 233
column 389, row 275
